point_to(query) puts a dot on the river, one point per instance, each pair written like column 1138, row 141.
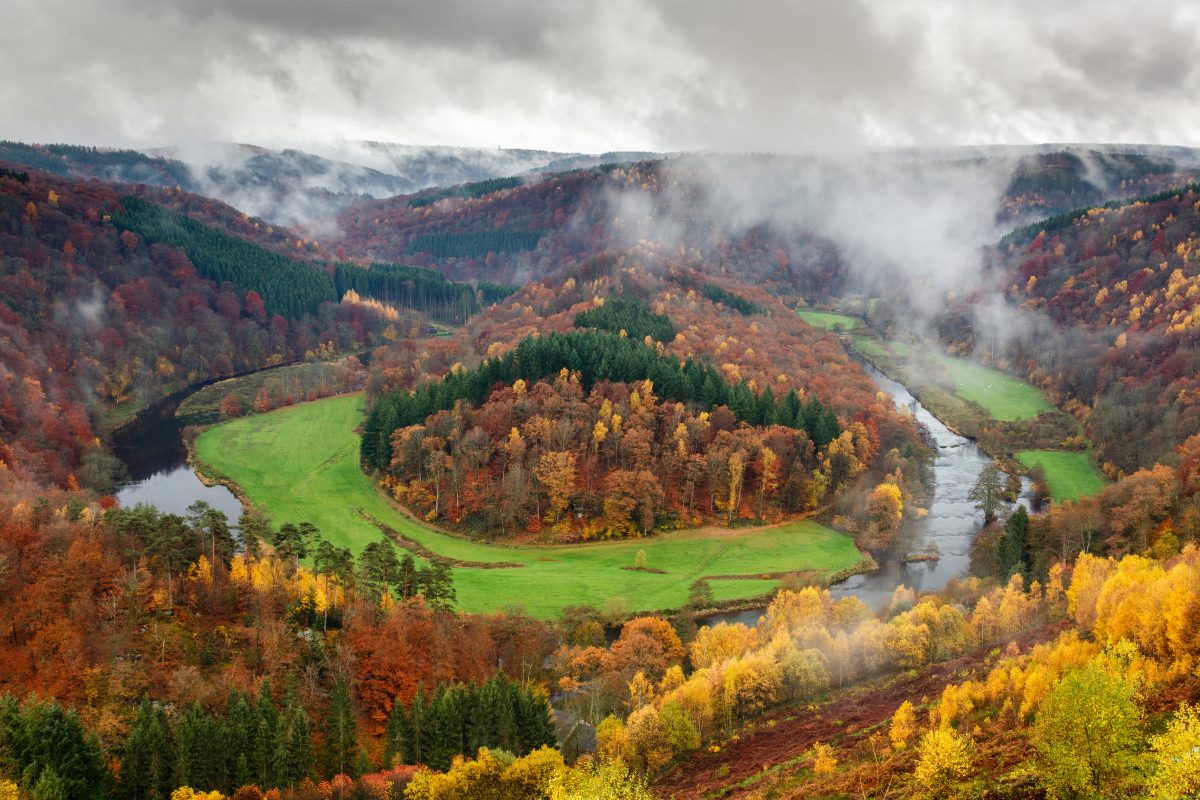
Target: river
column 153, row 450
column 950, row 528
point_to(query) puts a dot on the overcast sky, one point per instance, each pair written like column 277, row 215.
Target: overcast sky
column 602, row 75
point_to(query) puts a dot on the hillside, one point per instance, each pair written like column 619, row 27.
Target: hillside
column 1117, row 281
column 647, row 404
column 1049, row 183
column 98, row 321
column 647, row 378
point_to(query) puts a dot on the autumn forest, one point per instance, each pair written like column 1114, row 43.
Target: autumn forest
column 624, row 477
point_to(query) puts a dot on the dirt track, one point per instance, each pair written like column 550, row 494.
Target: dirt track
column 796, row 730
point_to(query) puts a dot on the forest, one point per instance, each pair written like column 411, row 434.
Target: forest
column 628, row 391
column 420, row 289
column 287, row 287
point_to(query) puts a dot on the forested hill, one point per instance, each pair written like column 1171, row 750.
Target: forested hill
column 1122, row 284
column 97, row 320
column 292, row 187
column 1046, row 184
column 287, row 287
column 510, row 230
column 295, row 286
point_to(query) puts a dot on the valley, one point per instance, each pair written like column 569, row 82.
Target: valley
column 1002, row 412
column 553, row 466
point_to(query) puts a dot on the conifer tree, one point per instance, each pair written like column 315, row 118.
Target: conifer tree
column 193, row 749
column 341, row 730
column 396, row 735
column 266, row 736
column 147, row 767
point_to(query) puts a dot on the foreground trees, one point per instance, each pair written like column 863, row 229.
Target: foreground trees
column 1089, row 730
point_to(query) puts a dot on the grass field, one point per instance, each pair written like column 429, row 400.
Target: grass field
column 828, row 319
column 1001, row 395
column 301, row 463
column 1070, row 474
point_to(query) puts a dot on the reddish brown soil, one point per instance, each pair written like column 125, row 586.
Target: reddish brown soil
column 796, row 730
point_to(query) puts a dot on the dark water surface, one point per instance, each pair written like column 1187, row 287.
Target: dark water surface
column 153, row 450
column 951, row 526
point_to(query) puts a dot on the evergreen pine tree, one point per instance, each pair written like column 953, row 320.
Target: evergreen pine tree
column 294, row 753
column 193, row 749
column 396, row 735
column 147, row 765
column 1012, row 544
column 241, row 730
column 418, row 720
column 266, row 737
column 341, row 730
column 362, row 763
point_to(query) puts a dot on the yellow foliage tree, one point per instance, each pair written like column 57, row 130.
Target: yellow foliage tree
column 824, row 762
column 556, row 471
column 611, row 737
column 1176, row 754
column 603, row 780
column 188, row 793
column 713, row 644
column 1088, row 730
column 904, row 725
column 945, row 757
column 751, row 684
column 649, row 748
column 495, row 775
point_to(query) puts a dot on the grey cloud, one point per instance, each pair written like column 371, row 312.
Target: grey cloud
column 824, row 75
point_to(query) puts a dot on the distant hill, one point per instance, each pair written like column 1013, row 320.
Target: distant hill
column 293, row 187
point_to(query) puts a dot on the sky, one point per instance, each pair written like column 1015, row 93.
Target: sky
column 665, row 75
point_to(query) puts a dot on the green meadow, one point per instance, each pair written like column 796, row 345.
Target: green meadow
column 1003, row 396
column 1070, row 474
column 828, row 319
column 301, row 464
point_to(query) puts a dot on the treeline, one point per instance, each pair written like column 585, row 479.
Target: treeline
column 466, row 191
column 730, row 300
column 68, row 160
column 174, row 542
column 630, row 315
column 474, row 245
column 596, row 356
column 417, row 288
column 287, row 287
column 251, row 741
column 459, row 719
